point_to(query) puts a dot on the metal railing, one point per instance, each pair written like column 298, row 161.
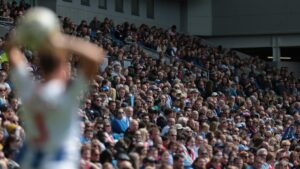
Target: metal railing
column 240, row 54
column 6, row 21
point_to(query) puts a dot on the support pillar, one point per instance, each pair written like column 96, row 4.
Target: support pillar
column 276, row 52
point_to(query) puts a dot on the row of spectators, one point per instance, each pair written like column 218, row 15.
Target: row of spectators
column 150, row 114
column 13, row 10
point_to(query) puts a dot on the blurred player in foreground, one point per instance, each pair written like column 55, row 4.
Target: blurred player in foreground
column 50, row 106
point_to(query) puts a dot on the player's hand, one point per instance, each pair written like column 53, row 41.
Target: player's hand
column 16, row 57
column 86, row 50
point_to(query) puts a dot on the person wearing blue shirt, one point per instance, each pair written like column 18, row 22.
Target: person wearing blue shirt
column 86, row 137
column 292, row 132
column 120, row 122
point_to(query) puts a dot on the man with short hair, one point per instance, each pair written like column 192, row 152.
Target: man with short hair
column 87, row 136
column 112, row 106
column 133, row 127
column 258, row 164
column 129, row 112
column 120, row 122
column 172, row 134
column 153, row 133
column 262, row 154
column 123, row 161
column 171, row 123
column 178, row 161
column 95, row 157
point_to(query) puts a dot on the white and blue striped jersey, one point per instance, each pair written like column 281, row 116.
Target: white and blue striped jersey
column 50, row 121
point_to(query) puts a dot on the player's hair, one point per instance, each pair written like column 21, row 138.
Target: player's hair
column 49, row 61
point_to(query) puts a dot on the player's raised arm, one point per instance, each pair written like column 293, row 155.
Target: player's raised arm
column 86, row 50
column 90, row 54
column 16, row 57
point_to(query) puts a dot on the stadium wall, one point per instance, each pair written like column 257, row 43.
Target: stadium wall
column 166, row 13
column 199, row 17
column 256, row 41
column 236, row 17
column 49, row 4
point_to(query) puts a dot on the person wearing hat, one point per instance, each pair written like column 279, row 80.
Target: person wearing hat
column 178, row 127
column 153, row 112
column 176, row 109
column 108, row 89
column 214, row 94
column 188, row 131
column 282, row 164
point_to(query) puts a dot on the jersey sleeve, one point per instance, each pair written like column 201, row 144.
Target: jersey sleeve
column 78, row 85
column 22, row 81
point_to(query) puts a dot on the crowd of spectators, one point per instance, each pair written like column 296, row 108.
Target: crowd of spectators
column 13, row 10
column 237, row 114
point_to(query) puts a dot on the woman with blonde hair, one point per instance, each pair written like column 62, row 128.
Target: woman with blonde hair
column 145, row 136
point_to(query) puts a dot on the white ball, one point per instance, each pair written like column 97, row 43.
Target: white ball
column 35, row 28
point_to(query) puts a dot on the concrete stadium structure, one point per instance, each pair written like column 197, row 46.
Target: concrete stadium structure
column 271, row 24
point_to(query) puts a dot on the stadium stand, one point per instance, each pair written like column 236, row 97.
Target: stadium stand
column 168, row 100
